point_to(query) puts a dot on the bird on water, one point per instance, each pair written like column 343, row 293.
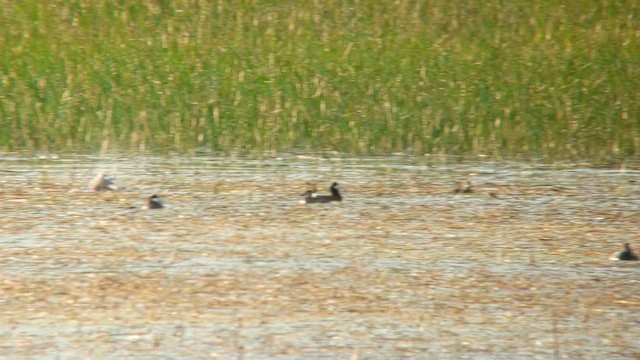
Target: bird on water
column 312, row 197
column 154, row 202
column 102, row 182
column 626, row 255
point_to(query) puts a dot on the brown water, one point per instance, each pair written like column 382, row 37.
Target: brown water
column 236, row 267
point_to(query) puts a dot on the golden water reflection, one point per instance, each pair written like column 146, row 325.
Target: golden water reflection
column 235, row 266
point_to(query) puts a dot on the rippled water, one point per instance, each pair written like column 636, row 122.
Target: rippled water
column 236, row 267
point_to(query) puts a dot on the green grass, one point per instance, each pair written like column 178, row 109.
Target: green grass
column 503, row 78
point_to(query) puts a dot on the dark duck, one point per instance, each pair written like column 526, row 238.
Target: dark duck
column 154, row 202
column 312, row 197
column 626, row 255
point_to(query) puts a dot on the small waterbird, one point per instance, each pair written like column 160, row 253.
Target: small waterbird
column 103, row 181
column 627, row 254
column 154, row 202
column 312, row 197
column 463, row 188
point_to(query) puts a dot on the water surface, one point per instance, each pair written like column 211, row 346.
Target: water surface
column 236, row 267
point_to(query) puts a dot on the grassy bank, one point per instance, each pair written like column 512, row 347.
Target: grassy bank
column 503, row 78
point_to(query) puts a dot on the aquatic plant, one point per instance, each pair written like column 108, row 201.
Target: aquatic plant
column 555, row 80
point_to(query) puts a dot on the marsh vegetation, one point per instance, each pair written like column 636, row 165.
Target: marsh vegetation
column 548, row 79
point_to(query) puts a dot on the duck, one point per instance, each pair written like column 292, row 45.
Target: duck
column 103, row 181
column 312, row 197
column 154, row 202
column 463, row 188
column 626, row 255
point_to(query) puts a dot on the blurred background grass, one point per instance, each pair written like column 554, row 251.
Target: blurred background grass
column 504, row 78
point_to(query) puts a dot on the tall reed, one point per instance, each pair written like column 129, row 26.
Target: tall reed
column 504, row 78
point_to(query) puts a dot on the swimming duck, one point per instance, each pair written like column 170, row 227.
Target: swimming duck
column 464, row 188
column 102, row 182
column 154, row 202
column 627, row 254
column 312, row 197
